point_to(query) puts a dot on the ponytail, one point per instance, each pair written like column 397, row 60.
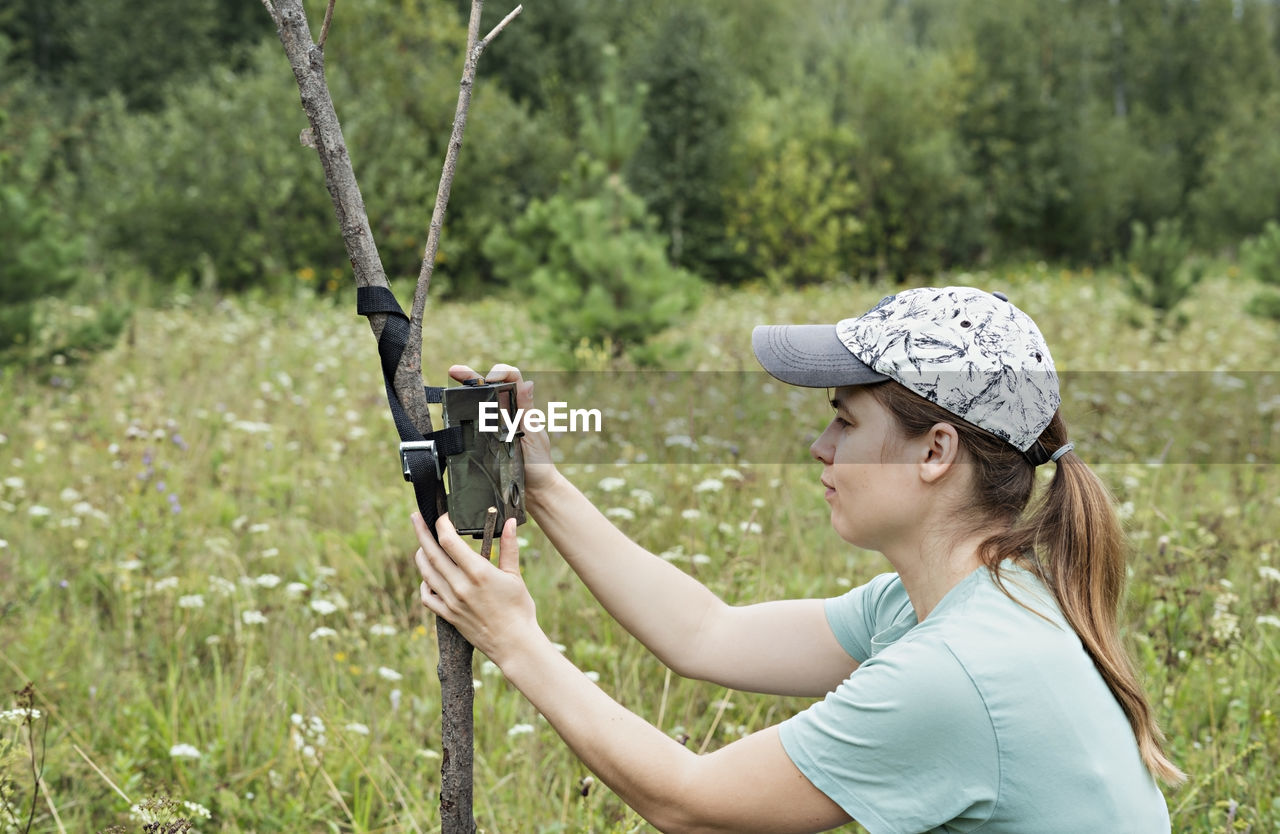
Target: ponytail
column 1071, row 539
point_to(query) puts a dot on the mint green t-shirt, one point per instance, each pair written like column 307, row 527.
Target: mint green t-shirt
column 984, row 717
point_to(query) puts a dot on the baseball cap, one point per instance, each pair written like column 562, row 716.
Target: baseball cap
column 971, row 352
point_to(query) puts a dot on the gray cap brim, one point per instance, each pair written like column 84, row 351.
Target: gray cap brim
column 810, row 355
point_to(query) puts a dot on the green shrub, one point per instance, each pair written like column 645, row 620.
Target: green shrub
column 1261, row 260
column 1157, row 270
column 41, row 256
column 595, row 265
column 796, row 221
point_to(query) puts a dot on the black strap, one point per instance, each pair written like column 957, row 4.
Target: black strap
column 422, row 468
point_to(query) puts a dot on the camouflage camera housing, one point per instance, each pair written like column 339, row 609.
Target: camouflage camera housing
column 490, row 472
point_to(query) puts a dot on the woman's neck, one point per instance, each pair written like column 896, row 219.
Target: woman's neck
column 929, row 569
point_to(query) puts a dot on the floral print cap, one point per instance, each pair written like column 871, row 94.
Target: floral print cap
column 969, row 351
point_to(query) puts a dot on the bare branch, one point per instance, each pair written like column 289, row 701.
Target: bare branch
column 502, row 24
column 474, row 48
column 324, row 29
column 271, row 10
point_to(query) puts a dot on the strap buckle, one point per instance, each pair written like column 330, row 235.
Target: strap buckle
column 410, row 446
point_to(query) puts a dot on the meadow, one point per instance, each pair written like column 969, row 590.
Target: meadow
column 206, row 577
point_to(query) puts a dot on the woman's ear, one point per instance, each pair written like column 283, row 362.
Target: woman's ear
column 940, row 452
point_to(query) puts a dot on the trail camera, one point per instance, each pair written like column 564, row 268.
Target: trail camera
column 489, row 471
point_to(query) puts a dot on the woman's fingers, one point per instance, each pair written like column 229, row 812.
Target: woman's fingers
column 432, row 581
column 461, row 373
column 438, row 567
column 509, row 549
column 498, row 373
column 503, row 373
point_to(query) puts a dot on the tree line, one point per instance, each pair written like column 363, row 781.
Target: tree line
column 788, row 141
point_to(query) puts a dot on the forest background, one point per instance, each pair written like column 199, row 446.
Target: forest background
column 147, row 146
column 203, row 558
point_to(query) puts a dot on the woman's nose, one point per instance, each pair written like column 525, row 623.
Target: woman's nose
column 824, row 447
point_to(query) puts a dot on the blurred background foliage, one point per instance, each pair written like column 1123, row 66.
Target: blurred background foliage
column 147, row 145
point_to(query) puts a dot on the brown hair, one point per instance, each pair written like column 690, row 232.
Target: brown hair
column 1071, row 539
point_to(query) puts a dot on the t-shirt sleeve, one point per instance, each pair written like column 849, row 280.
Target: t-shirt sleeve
column 857, row 616
column 905, row 744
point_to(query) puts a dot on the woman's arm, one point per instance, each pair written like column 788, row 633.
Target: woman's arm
column 784, row 647
column 750, row 785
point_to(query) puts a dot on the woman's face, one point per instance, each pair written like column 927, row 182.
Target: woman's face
column 866, row 473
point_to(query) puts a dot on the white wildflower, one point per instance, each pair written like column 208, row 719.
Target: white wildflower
column 750, row 527
column 295, row 589
column 260, row 527
column 1269, row 573
column 323, row 606
column 592, row 676
column 387, row 673
column 700, row 559
column 191, row 601
column 612, row 484
column 19, row 715
column 382, row 630
column 129, row 564
column 14, row 482
column 520, row 729
column 39, row 510
column 271, row 553
column 709, row 485
column 166, row 584
column 184, row 751
column 225, row 587
column 267, row 580
column 196, row 809
column 1224, row 624
column 643, row 497
column 1269, row 620
column 357, row 728
column 323, row 631
column 691, row 514
column 731, row 474
column 253, row 617
column 620, row 512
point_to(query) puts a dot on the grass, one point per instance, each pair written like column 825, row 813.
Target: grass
column 204, row 534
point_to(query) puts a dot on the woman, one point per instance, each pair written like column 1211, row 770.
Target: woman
column 981, row 686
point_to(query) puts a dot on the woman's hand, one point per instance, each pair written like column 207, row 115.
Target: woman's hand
column 539, row 471
column 488, row 603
